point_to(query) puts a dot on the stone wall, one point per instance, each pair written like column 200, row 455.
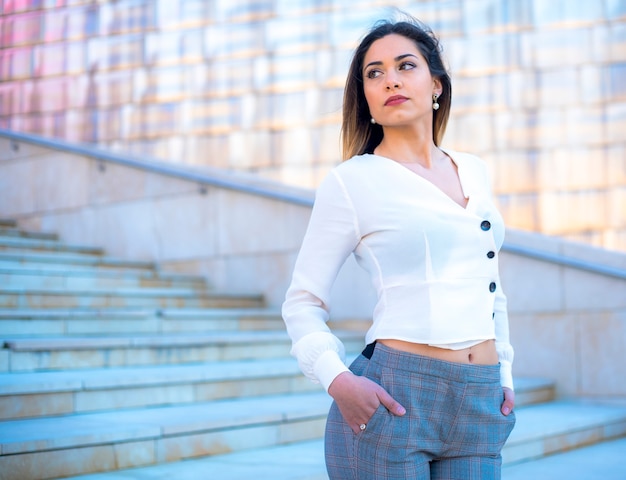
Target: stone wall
column 256, row 85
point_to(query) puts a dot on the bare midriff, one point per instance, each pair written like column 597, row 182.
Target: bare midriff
column 483, row 353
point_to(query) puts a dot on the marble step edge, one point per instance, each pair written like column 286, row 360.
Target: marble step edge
column 120, row 292
column 597, row 460
column 169, row 340
column 100, row 390
column 144, row 297
column 145, row 376
column 542, row 433
column 200, row 300
column 14, row 244
column 304, row 460
column 63, row 271
column 300, row 460
column 47, row 344
column 104, row 261
column 209, row 382
column 130, row 425
column 14, row 232
column 121, row 313
column 528, row 390
column 151, row 354
column 28, row 282
column 120, row 426
column 21, row 323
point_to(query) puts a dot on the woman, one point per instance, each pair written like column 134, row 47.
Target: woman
column 431, row 396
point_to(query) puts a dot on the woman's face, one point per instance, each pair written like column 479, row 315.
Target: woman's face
column 397, row 82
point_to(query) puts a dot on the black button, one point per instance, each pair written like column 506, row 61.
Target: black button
column 485, row 225
column 491, row 254
column 492, row 287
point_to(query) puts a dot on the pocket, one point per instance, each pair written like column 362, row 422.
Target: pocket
column 511, row 420
column 369, row 443
column 376, row 420
column 505, row 423
column 431, row 405
column 480, row 427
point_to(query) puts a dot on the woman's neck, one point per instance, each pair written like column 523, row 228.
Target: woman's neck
column 408, row 147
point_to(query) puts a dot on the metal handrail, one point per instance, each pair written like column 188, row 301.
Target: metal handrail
column 219, row 178
column 273, row 190
column 565, row 261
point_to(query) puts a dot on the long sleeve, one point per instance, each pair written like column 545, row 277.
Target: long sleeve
column 500, row 313
column 331, row 236
column 503, row 346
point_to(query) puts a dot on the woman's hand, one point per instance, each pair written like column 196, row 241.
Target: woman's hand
column 358, row 398
column 509, row 401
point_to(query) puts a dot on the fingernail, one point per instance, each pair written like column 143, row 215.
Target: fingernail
column 506, row 410
column 401, row 410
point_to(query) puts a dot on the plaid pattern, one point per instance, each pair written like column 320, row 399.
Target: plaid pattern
column 453, row 428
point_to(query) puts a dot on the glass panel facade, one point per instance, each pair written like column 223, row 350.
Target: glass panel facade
column 253, row 80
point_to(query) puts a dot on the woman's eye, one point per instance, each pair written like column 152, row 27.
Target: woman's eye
column 373, row 74
column 407, row 66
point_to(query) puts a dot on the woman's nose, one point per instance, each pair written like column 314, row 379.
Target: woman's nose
column 392, row 82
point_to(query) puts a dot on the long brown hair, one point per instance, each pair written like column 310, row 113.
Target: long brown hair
column 358, row 134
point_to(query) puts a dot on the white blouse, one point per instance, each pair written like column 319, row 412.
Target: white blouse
column 433, row 263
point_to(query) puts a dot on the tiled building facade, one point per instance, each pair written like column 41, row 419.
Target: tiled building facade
column 539, row 90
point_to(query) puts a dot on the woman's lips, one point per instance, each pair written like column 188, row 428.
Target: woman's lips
column 395, row 100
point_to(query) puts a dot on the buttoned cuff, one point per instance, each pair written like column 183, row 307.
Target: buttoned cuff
column 327, row 367
column 506, row 374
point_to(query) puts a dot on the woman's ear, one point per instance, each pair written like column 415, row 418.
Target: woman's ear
column 437, row 87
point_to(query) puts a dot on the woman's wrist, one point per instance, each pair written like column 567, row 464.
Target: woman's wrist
column 328, row 367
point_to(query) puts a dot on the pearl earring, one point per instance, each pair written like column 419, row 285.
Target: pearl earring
column 435, row 104
column 372, row 121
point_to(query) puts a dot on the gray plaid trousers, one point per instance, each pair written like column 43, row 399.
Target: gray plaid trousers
column 453, row 428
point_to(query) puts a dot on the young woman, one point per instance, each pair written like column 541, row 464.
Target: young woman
column 431, row 396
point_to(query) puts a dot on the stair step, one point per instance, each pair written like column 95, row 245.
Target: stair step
column 11, row 231
column 131, row 438
column 548, row 428
column 33, row 277
column 112, row 365
column 38, row 394
column 55, row 353
column 533, row 390
column 241, row 319
column 305, row 461
column 27, row 244
column 295, row 461
column 30, row 395
column 16, row 297
column 603, row 460
column 10, row 260
column 125, row 438
column 25, row 322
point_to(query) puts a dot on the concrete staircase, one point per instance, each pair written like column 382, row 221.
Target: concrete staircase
column 108, row 365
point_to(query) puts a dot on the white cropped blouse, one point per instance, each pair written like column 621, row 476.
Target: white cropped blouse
column 433, row 263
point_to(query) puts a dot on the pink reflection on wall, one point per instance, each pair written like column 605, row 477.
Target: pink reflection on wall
column 15, row 6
